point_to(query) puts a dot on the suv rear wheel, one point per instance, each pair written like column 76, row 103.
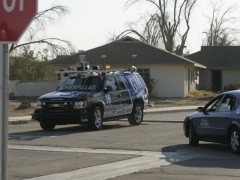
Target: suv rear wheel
column 95, row 120
column 137, row 115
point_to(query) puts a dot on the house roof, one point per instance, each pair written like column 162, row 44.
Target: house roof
column 120, row 53
column 217, row 56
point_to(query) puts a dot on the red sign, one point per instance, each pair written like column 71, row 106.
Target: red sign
column 15, row 16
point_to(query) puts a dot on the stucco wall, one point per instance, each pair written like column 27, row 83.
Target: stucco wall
column 37, row 88
column 168, row 79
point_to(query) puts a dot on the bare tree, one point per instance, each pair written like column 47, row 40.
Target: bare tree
column 170, row 23
column 150, row 34
column 31, row 36
column 221, row 30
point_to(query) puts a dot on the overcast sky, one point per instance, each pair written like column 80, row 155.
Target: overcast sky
column 90, row 23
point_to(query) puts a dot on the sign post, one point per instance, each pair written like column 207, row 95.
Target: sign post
column 4, row 70
column 15, row 16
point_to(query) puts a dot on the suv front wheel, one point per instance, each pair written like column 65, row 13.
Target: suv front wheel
column 47, row 126
column 136, row 115
column 95, row 120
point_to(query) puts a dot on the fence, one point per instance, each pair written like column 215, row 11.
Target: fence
column 36, row 88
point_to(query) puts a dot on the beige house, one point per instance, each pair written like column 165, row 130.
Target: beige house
column 223, row 66
column 166, row 74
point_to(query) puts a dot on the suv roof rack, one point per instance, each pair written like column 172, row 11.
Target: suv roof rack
column 82, row 69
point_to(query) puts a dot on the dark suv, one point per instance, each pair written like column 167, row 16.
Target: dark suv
column 92, row 97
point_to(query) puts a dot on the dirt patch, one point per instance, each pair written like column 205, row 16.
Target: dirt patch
column 16, row 106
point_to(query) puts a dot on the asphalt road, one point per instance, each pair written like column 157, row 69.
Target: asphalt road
column 157, row 149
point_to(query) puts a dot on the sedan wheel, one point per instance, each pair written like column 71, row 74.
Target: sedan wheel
column 234, row 140
column 193, row 139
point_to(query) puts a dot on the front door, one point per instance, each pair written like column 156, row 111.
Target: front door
column 219, row 123
column 216, row 80
column 112, row 97
column 214, row 122
column 202, row 123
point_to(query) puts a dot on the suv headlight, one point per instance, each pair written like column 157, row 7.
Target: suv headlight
column 39, row 104
column 80, row 105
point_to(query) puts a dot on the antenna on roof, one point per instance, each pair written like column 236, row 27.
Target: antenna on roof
column 134, row 59
column 103, row 58
column 82, row 58
column 82, row 65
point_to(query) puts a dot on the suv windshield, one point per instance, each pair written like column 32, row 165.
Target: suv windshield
column 90, row 83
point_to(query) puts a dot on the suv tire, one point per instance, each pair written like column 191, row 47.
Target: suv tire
column 47, row 126
column 136, row 115
column 95, row 121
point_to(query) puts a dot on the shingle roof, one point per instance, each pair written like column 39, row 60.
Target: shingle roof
column 217, row 56
column 120, row 53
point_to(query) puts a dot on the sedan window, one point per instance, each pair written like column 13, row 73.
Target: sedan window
column 227, row 104
column 212, row 106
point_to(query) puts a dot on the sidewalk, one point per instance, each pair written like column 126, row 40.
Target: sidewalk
column 170, row 109
column 27, row 119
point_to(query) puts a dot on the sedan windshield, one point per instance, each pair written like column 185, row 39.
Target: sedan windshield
column 81, row 84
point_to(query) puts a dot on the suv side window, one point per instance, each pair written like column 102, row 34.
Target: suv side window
column 111, row 83
column 125, row 81
column 120, row 82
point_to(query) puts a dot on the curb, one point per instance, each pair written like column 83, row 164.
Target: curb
column 28, row 119
column 19, row 120
column 170, row 109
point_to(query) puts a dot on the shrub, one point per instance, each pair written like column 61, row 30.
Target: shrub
column 200, row 94
column 230, row 87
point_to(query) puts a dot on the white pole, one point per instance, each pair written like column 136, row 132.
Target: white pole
column 4, row 79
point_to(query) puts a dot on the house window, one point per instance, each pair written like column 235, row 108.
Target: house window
column 193, row 76
column 145, row 73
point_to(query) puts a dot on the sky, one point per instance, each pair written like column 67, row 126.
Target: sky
column 91, row 23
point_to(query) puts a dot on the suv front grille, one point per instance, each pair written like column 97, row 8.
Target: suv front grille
column 57, row 106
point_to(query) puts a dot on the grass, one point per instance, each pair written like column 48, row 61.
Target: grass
column 201, row 94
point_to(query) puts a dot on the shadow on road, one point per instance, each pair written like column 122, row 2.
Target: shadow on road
column 62, row 131
column 207, row 155
column 208, row 147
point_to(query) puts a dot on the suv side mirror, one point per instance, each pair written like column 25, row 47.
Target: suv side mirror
column 108, row 89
